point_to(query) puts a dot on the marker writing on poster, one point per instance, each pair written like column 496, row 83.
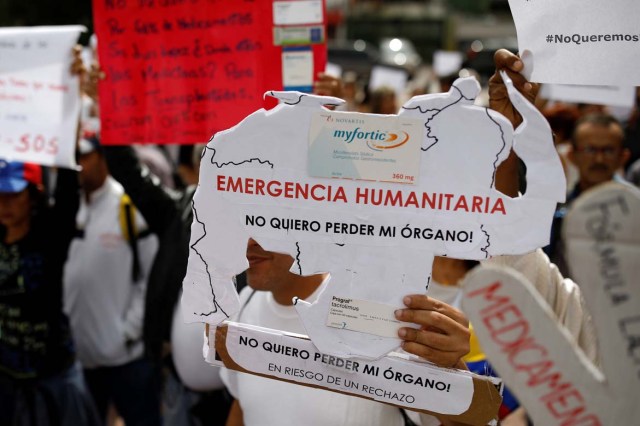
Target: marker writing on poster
column 192, row 66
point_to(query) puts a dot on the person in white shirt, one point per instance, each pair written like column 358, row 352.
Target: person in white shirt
column 443, row 339
column 105, row 281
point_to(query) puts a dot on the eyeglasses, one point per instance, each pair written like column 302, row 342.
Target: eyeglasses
column 592, row 151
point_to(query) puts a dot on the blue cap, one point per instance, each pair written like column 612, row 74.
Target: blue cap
column 15, row 176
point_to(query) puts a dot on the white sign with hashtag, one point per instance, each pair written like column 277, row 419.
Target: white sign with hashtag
column 591, row 42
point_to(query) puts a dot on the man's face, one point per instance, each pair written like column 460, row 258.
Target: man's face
column 267, row 271
column 94, row 171
column 15, row 208
column 598, row 153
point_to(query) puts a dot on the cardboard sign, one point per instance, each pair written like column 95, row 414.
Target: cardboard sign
column 535, row 356
column 397, row 379
column 590, row 42
column 39, row 98
column 179, row 71
column 376, row 239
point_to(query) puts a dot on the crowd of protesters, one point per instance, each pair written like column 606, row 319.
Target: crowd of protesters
column 91, row 268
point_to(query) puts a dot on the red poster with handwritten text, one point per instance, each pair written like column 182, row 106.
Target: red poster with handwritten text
column 180, row 70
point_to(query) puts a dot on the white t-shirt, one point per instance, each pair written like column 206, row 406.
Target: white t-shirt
column 105, row 307
column 268, row 402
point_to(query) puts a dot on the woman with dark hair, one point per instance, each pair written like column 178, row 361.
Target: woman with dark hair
column 40, row 383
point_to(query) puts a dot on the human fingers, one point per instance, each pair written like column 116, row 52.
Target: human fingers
column 436, row 340
column 423, row 302
column 442, row 349
column 440, row 358
column 77, row 65
column 443, row 336
column 506, row 61
column 437, row 331
column 97, row 73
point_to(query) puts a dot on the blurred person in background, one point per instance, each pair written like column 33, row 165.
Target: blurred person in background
column 562, row 118
column 632, row 142
column 40, row 381
column 598, row 152
column 169, row 215
column 383, row 101
column 105, row 282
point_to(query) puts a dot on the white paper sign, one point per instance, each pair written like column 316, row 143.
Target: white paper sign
column 376, row 239
column 536, row 357
column 600, row 95
column 297, row 12
column 417, row 385
column 297, row 68
column 591, row 42
column 39, row 98
column 364, row 316
column 446, row 63
column 388, row 77
column 333, row 70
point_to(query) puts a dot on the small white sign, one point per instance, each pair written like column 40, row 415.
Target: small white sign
column 297, row 68
column 592, row 42
column 599, row 95
column 364, row 316
column 388, row 77
column 446, row 63
column 332, row 69
column 39, row 98
column 297, row 12
column 367, row 147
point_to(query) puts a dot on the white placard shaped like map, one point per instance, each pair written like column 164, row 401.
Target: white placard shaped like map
column 39, row 97
column 590, row 42
column 538, row 360
column 376, row 239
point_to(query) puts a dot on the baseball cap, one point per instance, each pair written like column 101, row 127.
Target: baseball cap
column 88, row 143
column 15, row 176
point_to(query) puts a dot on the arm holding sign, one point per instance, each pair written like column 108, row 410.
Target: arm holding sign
column 443, row 336
column 235, row 415
column 168, row 214
column 506, row 176
column 158, row 205
column 562, row 294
